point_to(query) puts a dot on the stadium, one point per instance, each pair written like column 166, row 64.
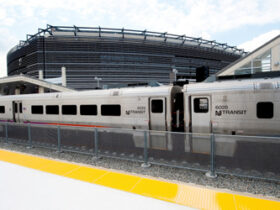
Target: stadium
column 116, row 57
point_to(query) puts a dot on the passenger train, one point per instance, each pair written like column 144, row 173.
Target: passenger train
column 239, row 107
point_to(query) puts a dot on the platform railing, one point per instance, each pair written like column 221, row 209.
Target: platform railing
column 214, row 154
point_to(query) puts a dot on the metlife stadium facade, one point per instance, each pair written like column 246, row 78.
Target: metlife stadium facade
column 117, row 56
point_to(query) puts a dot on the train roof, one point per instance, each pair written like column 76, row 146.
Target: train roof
column 233, row 85
column 136, row 91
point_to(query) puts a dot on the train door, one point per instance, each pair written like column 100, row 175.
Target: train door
column 17, row 111
column 178, row 124
column 157, row 114
column 157, row 109
column 201, row 114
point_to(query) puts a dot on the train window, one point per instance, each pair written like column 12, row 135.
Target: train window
column 69, row 109
column 200, row 105
column 20, row 107
column 15, row 107
column 111, row 110
column 157, row 106
column 2, row 109
column 265, row 110
column 88, row 109
column 38, row 109
column 52, row 109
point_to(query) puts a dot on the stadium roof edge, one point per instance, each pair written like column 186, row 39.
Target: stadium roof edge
column 126, row 33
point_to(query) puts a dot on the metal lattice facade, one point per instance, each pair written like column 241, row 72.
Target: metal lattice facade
column 118, row 56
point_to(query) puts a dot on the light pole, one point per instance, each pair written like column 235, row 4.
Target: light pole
column 175, row 71
column 97, row 79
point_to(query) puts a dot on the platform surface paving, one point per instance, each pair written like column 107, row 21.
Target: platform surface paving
column 180, row 193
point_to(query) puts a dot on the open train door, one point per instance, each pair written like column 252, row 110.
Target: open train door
column 157, row 107
column 17, row 111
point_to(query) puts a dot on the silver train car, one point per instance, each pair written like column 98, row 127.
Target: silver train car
column 247, row 107
column 145, row 108
column 135, row 108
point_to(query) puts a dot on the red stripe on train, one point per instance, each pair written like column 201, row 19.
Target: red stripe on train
column 78, row 125
column 69, row 124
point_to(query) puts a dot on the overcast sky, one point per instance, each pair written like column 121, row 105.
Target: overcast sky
column 246, row 24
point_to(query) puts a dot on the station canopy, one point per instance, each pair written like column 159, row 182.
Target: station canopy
column 265, row 60
column 22, row 84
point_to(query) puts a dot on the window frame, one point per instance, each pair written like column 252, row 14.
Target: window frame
column 37, row 106
column 111, row 115
column 161, row 110
column 82, row 107
column 63, row 110
column 47, row 107
column 196, row 106
column 4, row 109
column 264, row 115
column 15, row 107
column 20, row 107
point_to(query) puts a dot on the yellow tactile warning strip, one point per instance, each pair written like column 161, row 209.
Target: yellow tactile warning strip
column 184, row 194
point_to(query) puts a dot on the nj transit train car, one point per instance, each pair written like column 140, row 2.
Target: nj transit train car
column 246, row 107
column 137, row 108
column 145, row 108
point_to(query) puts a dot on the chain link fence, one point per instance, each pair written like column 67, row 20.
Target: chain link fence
column 247, row 156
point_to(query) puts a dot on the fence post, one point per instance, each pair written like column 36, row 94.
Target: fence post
column 190, row 142
column 212, row 173
column 96, row 156
column 6, row 132
column 58, row 139
column 29, row 137
column 145, row 164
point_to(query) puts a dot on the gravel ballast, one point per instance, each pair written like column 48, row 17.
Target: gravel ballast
column 270, row 189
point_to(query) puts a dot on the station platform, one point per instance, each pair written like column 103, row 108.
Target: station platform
column 180, row 194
